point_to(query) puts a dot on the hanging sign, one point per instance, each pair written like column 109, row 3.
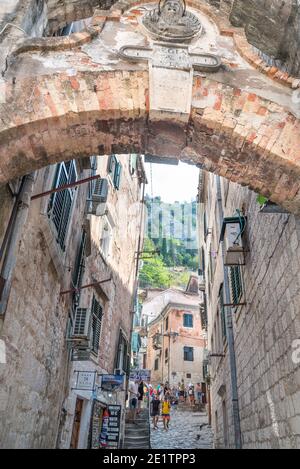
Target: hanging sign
column 85, row 380
column 112, row 382
column 141, row 375
column 113, row 430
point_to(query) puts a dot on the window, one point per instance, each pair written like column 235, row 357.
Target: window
column 188, row 375
column 188, row 354
column 166, row 354
column 79, row 269
column 106, row 238
column 167, row 323
column 97, row 314
column 133, row 163
column 156, row 364
column 187, row 320
column 60, row 204
column 115, row 171
column 122, row 357
column 236, row 284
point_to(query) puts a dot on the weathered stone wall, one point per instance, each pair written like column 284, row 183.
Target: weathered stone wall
column 264, row 329
column 34, row 328
column 35, row 380
column 116, row 296
column 273, row 27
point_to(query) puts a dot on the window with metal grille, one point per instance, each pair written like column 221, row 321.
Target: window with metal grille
column 187, row 320
column 222, row 311
column 122, row 356
column 60, row 204
column 81, row 322
column 79, row 269
column 97, row 314
column 115, row 171
column 188, row 354
column 236, row 284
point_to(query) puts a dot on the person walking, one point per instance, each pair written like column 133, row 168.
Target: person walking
column 140, row 397
column 165, row 412
column 133, row 398
column 154, row 410
column 198, row 391
column 191, row 396
column 181, row 391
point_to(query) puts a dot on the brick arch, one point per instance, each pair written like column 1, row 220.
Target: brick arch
column 235, row 134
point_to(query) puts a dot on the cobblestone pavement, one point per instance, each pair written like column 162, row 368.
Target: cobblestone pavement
column 188, row 430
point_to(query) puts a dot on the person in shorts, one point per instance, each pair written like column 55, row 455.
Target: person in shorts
column 165, row 413
column 154, row 410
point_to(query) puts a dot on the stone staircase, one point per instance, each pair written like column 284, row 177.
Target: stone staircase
column 138, row 435
column 186, row 407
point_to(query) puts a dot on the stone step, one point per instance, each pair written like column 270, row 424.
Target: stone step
column 142, row 446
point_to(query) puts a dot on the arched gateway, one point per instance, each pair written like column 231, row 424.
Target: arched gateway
column 163, row 80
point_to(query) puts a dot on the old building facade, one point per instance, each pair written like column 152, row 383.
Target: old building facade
column 176, row 340
column 66, row 245
column 253, row 318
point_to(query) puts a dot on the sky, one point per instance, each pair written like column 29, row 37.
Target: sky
column 173, row 183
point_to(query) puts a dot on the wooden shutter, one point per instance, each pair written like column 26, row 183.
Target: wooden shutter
column 97, row 313
column 59, row 209
column 81, row 322
column 79, row 267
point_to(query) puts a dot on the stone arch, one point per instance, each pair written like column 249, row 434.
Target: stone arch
column 231, row 132
column 50, row 113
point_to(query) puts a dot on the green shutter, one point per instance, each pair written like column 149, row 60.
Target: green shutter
column 117, row 175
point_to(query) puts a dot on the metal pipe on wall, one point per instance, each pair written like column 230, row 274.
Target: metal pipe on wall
column 230, row 334
column 11, row 252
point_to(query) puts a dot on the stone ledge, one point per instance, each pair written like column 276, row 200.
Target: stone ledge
column 61, row 43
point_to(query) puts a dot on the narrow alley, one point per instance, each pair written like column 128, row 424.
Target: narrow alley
column 188, row 430
column 149, row 225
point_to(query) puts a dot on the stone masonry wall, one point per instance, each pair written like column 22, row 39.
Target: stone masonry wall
column 265, row 328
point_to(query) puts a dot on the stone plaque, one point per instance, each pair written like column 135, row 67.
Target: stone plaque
column 168, row 56
column 170, row 91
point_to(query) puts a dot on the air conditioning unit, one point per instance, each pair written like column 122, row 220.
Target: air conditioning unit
column 97, row 203
column 234, row 251
column 81, row 330
column 119, row 371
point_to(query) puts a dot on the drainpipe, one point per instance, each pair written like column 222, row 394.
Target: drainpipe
column 10, row 259
column 230, row 335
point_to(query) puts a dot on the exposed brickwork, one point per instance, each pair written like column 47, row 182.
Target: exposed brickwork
column 234, row 133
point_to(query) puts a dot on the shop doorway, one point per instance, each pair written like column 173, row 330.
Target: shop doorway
column 76, row 424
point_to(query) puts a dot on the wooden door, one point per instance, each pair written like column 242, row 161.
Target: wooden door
column 76, row 424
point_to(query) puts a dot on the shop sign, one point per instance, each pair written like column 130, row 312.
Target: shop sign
column 85, row 380
column 141, row 375
column 112, row 382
